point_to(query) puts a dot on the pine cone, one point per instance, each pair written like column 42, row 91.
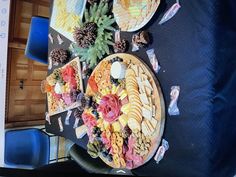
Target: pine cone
column 58, row 56
column 90, row 27
column 120, row 46
column 141, row 38
column 86, row 35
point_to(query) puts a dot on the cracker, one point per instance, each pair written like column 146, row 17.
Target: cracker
column 134, row 124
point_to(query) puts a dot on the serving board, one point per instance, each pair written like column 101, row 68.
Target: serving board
column 66, row 15
column 75, row 104
column 157, row 98
column 131, row 15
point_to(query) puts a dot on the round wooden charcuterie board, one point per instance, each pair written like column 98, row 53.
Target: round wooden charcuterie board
column 146, row 124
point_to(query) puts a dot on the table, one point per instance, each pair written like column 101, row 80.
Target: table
column 190, row 49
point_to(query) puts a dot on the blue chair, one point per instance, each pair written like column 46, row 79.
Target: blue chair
column 37, row 43
column 27, row 148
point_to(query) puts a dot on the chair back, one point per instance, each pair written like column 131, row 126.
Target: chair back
column 26, row 148
column 37, row 43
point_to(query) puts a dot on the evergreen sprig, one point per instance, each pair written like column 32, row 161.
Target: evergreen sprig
column 97, row 13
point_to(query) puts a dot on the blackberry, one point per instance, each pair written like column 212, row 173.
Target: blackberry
column 94, row 105
column 78, row 113
column 109, row 157
column 119, row 59
column 104, row 153
column 114, row 81
column 95, row 130
column 94, row 112
column 89, row 102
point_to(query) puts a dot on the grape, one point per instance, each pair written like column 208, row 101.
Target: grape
column 109, row 157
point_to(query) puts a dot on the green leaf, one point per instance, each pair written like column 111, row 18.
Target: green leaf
column 106, row 49
column 86, row 16
column 94, row 9
column 109, row 28
column 104, row 9
column 109, row 42
column 100, row 6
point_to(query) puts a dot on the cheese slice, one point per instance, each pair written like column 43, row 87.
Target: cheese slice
column 140, row 85
column 141, row 71
column 150, row 101
column 154, row 122
column 150, row 126
column 143, row 68
column 153, row 110
column 144, row 77
column 123, row 119
column 145, row 129
column 144, row 98
column 106, row 124
column 147, row 107
column 146, row 113
column 135, row 68
column 116, row 126
column 148, row 91
column 80, row 131
column 147, row 84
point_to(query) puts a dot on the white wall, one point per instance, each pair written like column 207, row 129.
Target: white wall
column 4, row 22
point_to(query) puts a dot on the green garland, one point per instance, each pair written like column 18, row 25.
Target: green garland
column 97, row 13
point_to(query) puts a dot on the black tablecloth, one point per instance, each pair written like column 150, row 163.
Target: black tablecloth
column 196, row 50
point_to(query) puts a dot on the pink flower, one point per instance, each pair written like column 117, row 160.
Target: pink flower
column 67, row 98
column 89, row 120
column 110, row 106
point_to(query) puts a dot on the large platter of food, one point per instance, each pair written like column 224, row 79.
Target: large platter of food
column 63, row 86
column 126, row 114
column 131, row 15
column 66, row 15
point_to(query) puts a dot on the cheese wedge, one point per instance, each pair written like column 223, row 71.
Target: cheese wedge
column 125, row 108
column 148, row 91
column 144, row 98
column 147, row 107
column 150, row 101
column 146, row 113
column 153, row 110
column 140, row 85
column 106, row 124
column 140, row 70
column 154, row 122
column 135, row 68
column 144, row 77
column 116, row 127
column 150, row 126
column 123, row 119
column 147, row 84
